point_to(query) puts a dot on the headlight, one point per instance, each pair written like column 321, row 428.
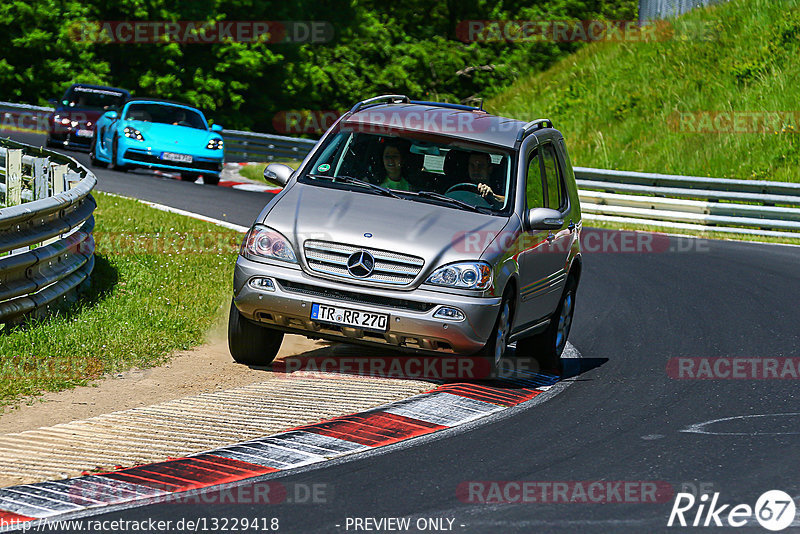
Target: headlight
column 133, row 133
column 466, row 275
column 215, row 144
column 267, row 243
column 65, row 121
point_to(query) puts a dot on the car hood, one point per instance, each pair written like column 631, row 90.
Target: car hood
column 435, row 233
column 171, row 136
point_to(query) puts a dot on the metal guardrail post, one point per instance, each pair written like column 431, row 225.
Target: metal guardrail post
column 13, row 177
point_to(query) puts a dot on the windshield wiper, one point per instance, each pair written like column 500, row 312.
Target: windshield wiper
column 445, row 198
column 356, row 181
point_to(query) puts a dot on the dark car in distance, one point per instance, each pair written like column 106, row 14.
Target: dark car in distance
column 73, row 121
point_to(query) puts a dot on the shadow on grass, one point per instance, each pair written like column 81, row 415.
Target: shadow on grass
column 89, row 294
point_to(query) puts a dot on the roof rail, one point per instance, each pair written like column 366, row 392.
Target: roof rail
column 462, row 107
column 538, row 124
column 390, row 99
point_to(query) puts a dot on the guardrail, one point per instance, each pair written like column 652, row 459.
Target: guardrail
column 46, row 223
column 249, row 146
column 754, row 207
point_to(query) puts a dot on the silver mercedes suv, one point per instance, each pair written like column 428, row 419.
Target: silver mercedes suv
column 418, row 226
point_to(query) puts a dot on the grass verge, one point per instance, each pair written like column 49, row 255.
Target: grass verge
column 160, row 282
column 668, row 106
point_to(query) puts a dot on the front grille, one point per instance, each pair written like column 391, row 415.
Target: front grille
column 197, row 163
column 357, row 298
column 390, row 267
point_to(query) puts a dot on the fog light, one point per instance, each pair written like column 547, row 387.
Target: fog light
column 262, row 284
column 451, row 314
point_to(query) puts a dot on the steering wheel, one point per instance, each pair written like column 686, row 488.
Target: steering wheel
column 464, row 186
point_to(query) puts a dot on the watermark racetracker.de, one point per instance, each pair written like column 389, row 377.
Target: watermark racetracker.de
column 201, row 32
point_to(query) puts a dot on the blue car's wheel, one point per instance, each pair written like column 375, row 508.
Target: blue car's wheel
column 93, row 153
column 114, row 165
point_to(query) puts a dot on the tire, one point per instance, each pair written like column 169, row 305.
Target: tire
column 93, row 157
column 497, row 345
column 547, row 347
column 48, row 142
column 249, row 343
column 189, row 176
column 114, row 166
column 211, row 179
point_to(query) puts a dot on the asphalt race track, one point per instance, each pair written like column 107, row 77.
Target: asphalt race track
column 623, row 419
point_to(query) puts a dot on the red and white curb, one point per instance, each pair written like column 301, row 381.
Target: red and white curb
column 447, row 406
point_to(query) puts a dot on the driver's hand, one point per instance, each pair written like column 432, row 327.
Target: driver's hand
column 485, row 190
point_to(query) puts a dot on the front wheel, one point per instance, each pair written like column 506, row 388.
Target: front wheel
column 546, row 348
column 114, row 165
column 497, row 344
column 250, row 343
column 211, row 179
column 189, row 177
column 93, row 154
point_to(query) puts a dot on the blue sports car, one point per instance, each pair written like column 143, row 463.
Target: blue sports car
column 157, row 134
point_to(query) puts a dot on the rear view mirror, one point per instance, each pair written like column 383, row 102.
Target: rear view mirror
column 278, row 172
column 544, row 219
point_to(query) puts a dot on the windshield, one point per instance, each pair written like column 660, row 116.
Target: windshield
column 425, row 169
column 165, row 114
column 93, row 98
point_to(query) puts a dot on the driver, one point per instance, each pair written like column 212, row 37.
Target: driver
column 478, row 169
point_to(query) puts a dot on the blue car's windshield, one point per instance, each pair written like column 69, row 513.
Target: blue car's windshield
column 165, row 114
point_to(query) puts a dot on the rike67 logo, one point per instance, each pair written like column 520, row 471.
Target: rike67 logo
column 774, row 510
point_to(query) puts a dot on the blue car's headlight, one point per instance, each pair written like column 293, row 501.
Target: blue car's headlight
column 133, row 133
column 215, row 144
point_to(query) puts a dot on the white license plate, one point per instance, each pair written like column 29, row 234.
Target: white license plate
column 347, row 317
column 84, row 133
column 181, row 158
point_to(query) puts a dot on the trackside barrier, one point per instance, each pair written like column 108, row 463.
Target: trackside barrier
column 46, row 223
column 249, row 146
column 755, row 207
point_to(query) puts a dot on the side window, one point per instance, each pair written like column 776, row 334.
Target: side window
column 534, row 193
column 554, row 193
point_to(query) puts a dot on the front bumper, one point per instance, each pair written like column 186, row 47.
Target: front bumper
column 137, row 157
column 412, row 325
column 70, row 138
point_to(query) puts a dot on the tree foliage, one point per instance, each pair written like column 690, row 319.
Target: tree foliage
column 409, row 47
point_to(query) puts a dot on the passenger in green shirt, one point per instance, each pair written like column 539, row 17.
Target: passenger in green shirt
column 393, row 164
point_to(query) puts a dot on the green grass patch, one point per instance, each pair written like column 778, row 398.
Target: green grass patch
column 620, row 104
column 160, row 282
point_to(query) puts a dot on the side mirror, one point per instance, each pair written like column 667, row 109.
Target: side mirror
column 216, row 128
column 53, row 102
column 278, row 172
column 111, row 114
column 544, row 219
